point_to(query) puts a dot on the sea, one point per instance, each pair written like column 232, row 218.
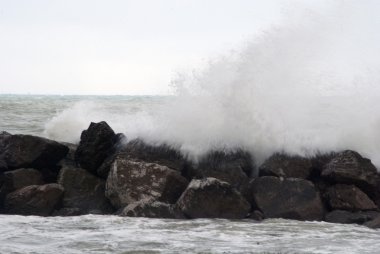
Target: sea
column 64, row 117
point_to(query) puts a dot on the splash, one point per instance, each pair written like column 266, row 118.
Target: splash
column 308, row 85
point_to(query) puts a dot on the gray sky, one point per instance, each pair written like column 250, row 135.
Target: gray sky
column 119, row 46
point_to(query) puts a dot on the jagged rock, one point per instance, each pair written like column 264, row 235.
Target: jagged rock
column 26, row 151
column 289, row 198
column 349, row 167
column 34, row 200
column 96, row 144
column 69, row 160
column 232, row 167
column 152, row 209
column 84, row 191
column 347, row 217
column 160, row 154
column 348, row 197
column 130, row 181
column 282, row 165
column 19, row 178
column 3, row 165
column 212, row 198
column 375, row 223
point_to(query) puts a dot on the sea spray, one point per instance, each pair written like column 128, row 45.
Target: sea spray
column 308, row 85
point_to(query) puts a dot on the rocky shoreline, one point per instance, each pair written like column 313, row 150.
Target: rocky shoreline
column 104, row 174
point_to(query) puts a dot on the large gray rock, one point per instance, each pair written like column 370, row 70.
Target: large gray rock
column 212, row 198
column 26, row 151
column 348, row 197
column 347, row 217
column 34, row 200
column 349, row 167
column 130, row 181
column 84, row 191
column 152, row 209
column 96, row 144
column 289, row 198
column 282, row 165
column 234, row 167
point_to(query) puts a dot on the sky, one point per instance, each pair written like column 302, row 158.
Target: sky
column 113, row 47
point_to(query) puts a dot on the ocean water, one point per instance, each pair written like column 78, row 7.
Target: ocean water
column 112, row 234
column 50, row 115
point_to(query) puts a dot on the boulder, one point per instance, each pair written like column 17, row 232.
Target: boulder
column 130, row 181
column 152, row 209
column 68, row 212
column 349, row 167
column 289, row 198
column 232, row 167
column 26, row 151
column 96, row 144
column 160, row 154
column 212, row 198
column 282, row 165
column 347, row 217
column 375, row 223
column 348, row 197
column 19, row 178
column 34, row 200
column 3, row 165
column 84, row 191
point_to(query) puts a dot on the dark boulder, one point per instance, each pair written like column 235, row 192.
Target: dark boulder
column 84, row 191
column 289, row 198
column 347, row 217
column 375, row 223
column 96, row 144
column 3, row 165
column 212, row 198
column 256, row 215
column 19, row 178
column 349, row 167
column 160, row 154
column 282, row 165
column 34, row 200
column 348, row 197
column 130, row 181
column 152, row 209
column 26, row 151
column 68, row 212
column 233, row 167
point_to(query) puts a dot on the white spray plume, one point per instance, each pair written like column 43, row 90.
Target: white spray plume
column 308, row 85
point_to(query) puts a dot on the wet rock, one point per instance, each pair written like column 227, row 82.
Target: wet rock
column 347, row 217
column 19, row 178
column 349, row 167
column 212, row 198
column 282, row 165
column 84, row 191
column 3, row 165
column 152, row 209
column 69, row 160
column 26, row 151
column 232, row 167
column 375, row 223
column 68, row 212
column 256, row 215
column 289, row 198
column 130, row 181
column 96, row 144
column 160, row 154
column 348, row 197
column 34, row 200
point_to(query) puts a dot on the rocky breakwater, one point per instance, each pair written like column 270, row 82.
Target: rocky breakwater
column 107, row 174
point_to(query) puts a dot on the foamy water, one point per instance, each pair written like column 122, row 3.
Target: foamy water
column 112, row 234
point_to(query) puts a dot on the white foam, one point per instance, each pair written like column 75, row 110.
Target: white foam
column 310, row 84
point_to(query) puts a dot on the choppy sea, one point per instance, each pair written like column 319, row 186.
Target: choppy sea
column 48, row 116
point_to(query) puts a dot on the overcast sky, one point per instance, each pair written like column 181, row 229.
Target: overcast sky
column 120, row 46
